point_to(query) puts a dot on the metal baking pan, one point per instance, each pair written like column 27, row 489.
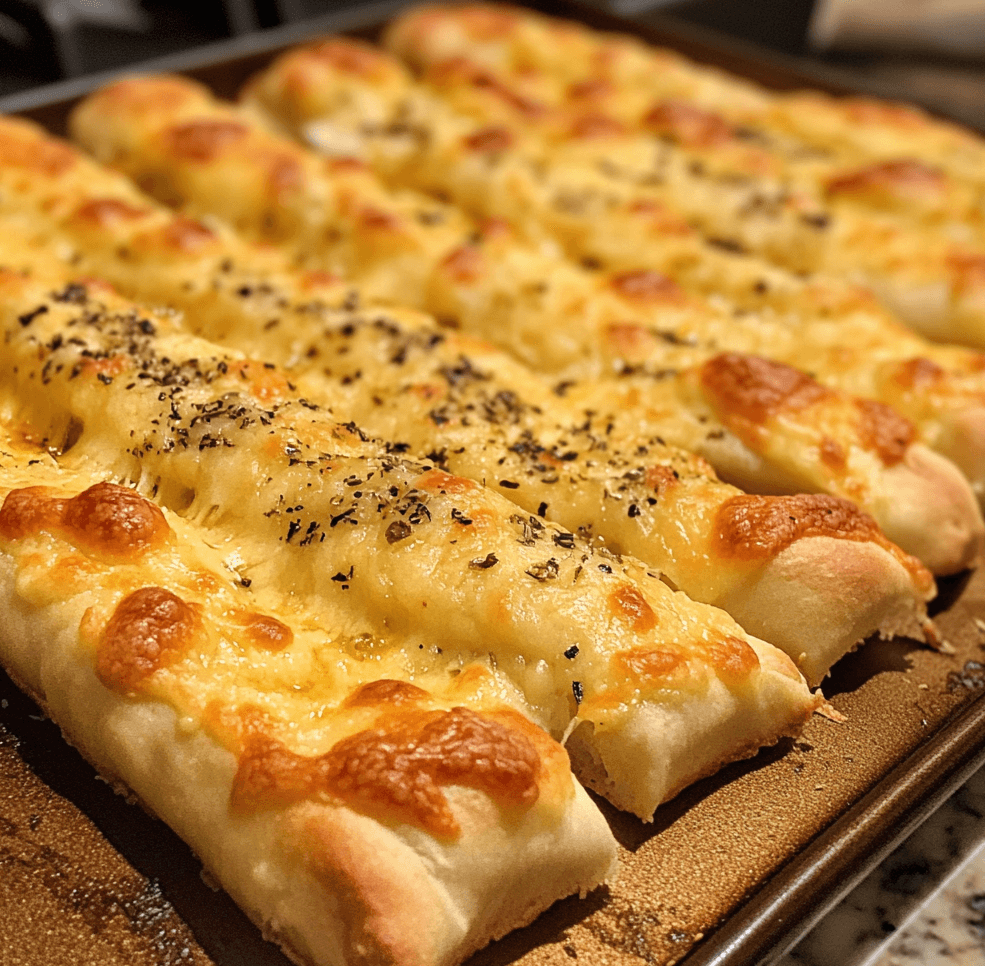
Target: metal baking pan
column 731, row 873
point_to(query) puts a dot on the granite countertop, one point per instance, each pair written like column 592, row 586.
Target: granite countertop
column 923, row 906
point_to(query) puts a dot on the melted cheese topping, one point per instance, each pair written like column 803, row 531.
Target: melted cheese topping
column 318, row 508
column 458, row 280
column 467, row 407
column 803, row 324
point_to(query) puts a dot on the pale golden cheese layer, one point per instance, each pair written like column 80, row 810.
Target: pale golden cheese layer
column 905, row 227
column 315, row 508
column 547, row 50
column 173, row 137
column 469, row 408
column 616, row 91
column 278, row 751
column 347, row 97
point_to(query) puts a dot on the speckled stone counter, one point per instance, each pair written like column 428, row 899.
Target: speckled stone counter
column 923, row 906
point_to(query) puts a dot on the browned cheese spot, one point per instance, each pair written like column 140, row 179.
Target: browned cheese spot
column 489, row 140
column 266, row 632
column 265, row 384
column 149, row 630
column 203, row 140
column 115, row 520
column 107, row 212
column 284, row 174
column 143, row 95
column 833, row 453
column 884, row 430
column 376, row 219
column 460, row 70
column 661, row 478
column 591, row 126
column 628, row 605
column 488, row 22
column 106, row 518
column 23, row 149
column 494, row 228
column 732, row 658
column 649, row 666
column 438, row 480
column 187, row 235
column 751, row 527
column 386, row 691
column 688, row 124
column 918, row 373
column 659, row 217
column 755, row 389
column 647, row 286
column 593, row 89
column 350, row 57
column 397, row 768
column 465, row 264
column 901, row 178
column 968, row 271
column 630, row 342
column 869, row 111
column 27, row 511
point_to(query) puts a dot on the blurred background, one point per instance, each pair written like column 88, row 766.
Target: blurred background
column 928, row 51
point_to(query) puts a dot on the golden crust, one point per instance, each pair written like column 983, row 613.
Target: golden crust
column 375, row 232
column 124, row 650
column 666, row 317
column 786, row 176
column 320, row 510
column 423, row 388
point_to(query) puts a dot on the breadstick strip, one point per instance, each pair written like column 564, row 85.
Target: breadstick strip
column 470, row 407
column 348, row 96
column 171, row 135
column 317, row 508
column 161, row 669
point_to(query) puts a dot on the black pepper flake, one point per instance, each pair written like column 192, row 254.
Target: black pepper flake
column 542, row 510
column 28, row 317
column 245, row 582
column 819, row 220
column 460, row 517
column 73, row 293
column 634, row 510
column 397, row 531
column 572, row 652
column 341, row 578
column 104, row 379
column 545, row 571
column 342, row 517
column 509, row 484
column 564, row 540
column 484, row 563
column 578, row 690
column 605, row 568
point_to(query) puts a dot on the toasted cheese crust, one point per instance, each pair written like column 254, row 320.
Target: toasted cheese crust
column 143, row 147
column 738, row 161
column 329, row 613
column 665, row 318
column 320, row 511
column 495, row 169
column 119, row 646
column 430, row 391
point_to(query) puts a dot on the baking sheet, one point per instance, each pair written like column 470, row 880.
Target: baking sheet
column 731, row 872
